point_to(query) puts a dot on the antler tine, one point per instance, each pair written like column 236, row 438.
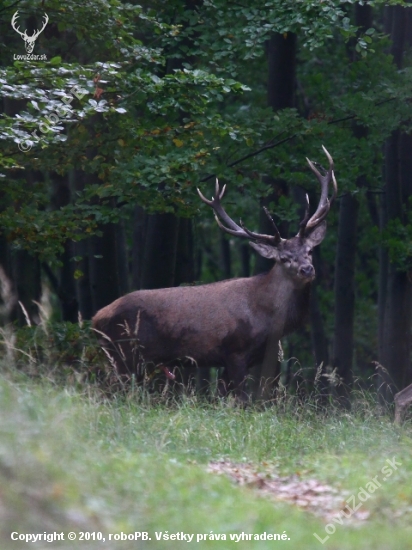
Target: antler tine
column 217, row 189
column 219, row 193
column 324, row 203
column 274, row 227
column 329, row 157
column 306, row 217
column 268, row 239
column 335, row 189
column 231, row 227
column 236, row 232
column 204, row 199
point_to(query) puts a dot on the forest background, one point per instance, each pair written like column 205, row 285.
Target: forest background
column 105, row 138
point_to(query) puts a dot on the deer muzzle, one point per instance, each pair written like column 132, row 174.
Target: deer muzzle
column 307, row 272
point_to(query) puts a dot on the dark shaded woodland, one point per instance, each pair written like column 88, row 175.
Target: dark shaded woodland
column 104, row 141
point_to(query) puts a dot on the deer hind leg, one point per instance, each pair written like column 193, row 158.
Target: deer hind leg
column 403, row 400
column 233, row 379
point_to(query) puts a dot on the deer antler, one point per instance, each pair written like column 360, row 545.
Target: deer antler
column 308, row 222
column 324, row 203
column 233, row 228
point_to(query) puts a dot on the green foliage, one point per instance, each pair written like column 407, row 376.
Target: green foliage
column 222, row 31
column 155, row 100
column 150, row 112
column 63, row 122
column 286, row 209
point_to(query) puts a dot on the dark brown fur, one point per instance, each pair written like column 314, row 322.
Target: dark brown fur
column 221, row 324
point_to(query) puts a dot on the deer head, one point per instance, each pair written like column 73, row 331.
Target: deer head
column 294, row 255
column 29, row 41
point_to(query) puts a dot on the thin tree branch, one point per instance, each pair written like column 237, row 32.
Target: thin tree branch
column 271, row 146
column 11, row 6
column 250, row 155
column 351, row 117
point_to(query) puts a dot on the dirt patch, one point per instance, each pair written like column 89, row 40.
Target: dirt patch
column 310, row 494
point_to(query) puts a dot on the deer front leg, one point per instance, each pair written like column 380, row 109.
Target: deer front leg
column 266, row 375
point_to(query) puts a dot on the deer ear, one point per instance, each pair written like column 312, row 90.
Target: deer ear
column 265, row 250
column 317, row 235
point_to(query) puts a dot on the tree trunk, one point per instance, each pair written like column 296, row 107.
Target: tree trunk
column 159, row 265
column 67, row 295
column 245, row 259
column 281, row 54
column 344, row 289
column 281, row 50
column 139, row 236
column 185, row 262
column 108, row 274
column 396, row 299
column 345, row 294
column 66, row 285
column 26, row 279
column 82, row 249
column 225, row 256
column 83, row 283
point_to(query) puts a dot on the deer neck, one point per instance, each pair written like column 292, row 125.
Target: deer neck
column 282, row 298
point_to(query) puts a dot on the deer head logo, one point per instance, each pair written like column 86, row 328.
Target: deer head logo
column 29, row 41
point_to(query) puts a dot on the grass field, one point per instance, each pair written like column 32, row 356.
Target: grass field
column 74, row 462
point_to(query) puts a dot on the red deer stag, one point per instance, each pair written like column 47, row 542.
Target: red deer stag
column 230, row 323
